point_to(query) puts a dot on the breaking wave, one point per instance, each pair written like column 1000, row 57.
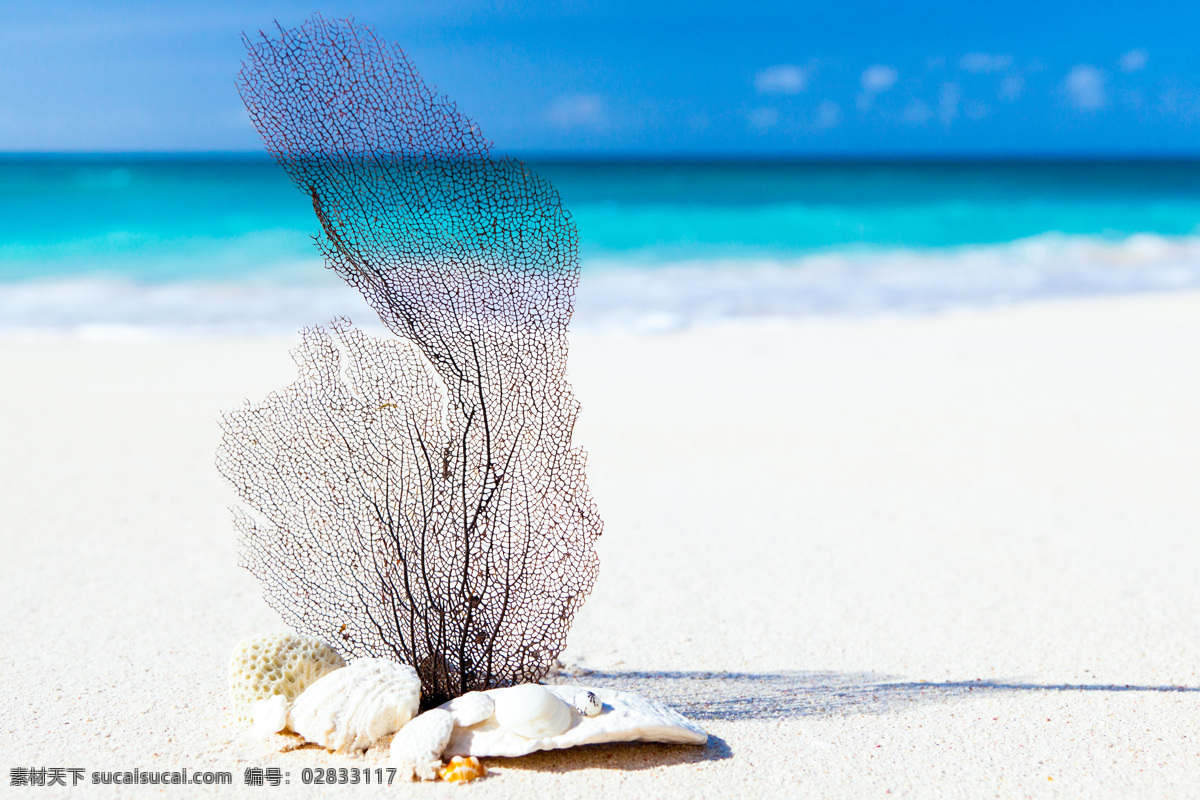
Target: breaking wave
column 625, row 294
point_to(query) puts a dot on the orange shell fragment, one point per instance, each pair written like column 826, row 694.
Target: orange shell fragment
column 462, row 768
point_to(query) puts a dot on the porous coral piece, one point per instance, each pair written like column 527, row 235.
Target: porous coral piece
column 276, row 663
column 352, row 708
column 417, row 749
column 462, row 769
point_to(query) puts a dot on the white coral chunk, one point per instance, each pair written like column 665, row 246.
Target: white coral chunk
column 417, row 748
column 276, row 664
column 270, row 715
column 353, row 708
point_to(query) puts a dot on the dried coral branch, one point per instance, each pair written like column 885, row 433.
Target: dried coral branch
column 422, row 501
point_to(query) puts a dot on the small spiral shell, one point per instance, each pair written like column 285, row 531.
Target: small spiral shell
column 462, row 769
column 587, row 704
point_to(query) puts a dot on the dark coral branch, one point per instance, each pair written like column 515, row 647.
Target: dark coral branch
column 386, row 524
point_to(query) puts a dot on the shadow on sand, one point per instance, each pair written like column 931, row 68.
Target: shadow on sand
column 621, row 756
column 779, row 695
column 763, row 696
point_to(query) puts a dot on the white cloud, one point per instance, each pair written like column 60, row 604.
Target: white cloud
column 1011, row 88
column 948, row 103
column 782, row 79
column 985, row 62
column 1084, row 86
column 1133, row 60
column 879, row 78
column 577, row 111
column 829, row 115
column 763, row 119
column 917, row 112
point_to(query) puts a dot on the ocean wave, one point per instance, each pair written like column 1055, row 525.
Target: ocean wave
column 886, row 281
column 110, row 309
column 617, row 294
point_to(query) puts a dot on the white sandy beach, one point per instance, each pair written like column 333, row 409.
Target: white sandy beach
column 942, row 556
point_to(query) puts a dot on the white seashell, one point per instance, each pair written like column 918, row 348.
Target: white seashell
column 531, row 711
column 587, row 704
column 276, row 663
column 417, row 749
column 470, row 708
column 354, row 707
column 627, row 717
column 270, row 716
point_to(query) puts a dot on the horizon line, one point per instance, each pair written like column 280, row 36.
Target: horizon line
column 653, row 158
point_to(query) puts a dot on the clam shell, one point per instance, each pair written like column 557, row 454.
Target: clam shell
column 353, row 707
column 531, row 711
column 624, row 717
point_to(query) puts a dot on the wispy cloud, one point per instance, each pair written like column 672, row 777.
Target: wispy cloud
column 876, row 79
column 1180, row 100
column 976, row 110
column 577, row 111
column 1084, row 86
column 1011, row 88
column 985, row 62
column 917, row 112
column 879, row 78
column 782, row 79
column 828, row 116
column 1134, row 60
column 948, row 103
column 763, row 119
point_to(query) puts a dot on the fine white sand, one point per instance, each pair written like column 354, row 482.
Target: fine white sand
column 945, row 556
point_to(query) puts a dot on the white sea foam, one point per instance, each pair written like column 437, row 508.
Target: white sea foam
column 617, row 294
column 127, row 310
column 870, row 282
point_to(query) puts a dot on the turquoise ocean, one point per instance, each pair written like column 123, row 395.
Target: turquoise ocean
column 119, row 246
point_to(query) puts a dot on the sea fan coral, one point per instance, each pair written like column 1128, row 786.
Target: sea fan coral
column 416, row 498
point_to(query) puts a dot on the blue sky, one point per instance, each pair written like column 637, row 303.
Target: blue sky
column 616, row 77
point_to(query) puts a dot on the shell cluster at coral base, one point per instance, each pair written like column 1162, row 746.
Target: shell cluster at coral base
column 353, row 707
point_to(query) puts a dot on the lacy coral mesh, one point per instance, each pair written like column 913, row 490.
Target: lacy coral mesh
column 416, row 498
